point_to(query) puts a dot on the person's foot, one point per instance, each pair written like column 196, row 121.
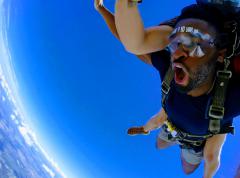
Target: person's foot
column 188, row 168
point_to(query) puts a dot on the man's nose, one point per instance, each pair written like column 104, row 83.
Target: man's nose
column 179, row 53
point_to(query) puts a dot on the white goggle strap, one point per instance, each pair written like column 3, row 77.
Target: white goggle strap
column 193, row 31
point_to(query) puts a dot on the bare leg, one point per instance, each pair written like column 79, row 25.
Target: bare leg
column 162, row 144
column 188, row 168
column 212, row 152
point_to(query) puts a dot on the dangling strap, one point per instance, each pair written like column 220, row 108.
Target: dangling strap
column 216, row 110
column 166, row 85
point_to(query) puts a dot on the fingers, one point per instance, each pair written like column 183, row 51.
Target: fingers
column 137, row 130
column 98, row 3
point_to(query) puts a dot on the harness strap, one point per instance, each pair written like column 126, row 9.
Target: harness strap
column 182, row 136
column 217, row 110
column 166, row 85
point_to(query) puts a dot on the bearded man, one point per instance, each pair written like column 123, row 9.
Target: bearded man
column 200, row 93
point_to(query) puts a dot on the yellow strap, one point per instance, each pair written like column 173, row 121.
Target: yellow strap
column 170, row 127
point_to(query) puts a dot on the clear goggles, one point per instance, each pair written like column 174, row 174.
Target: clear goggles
column 196, row 45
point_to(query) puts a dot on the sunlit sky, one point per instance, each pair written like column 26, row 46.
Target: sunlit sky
column 81, row 91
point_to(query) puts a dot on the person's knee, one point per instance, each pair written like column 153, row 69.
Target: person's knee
column 211, row 157
column 187, row 167
column 188, row 170
column 161, row 144
column 190, row 160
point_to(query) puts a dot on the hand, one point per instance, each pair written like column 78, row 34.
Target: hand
column 137, row 130
column 98, row 4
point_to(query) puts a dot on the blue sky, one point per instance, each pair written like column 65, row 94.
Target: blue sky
column 81, row 91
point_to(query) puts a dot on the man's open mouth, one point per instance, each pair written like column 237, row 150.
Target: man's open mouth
column 181, row 76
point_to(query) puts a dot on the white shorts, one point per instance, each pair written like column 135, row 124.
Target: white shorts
column 189, row 155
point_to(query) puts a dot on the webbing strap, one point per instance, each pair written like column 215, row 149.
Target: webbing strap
column 166, row 85
column 216, row 111
column 181, row 136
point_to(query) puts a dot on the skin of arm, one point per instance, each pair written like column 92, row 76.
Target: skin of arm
column 110, row 21
column 211, row 154
column 107, row 16
column 156, row 121
column 131, row 30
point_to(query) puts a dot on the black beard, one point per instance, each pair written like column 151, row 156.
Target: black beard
column 184, row 89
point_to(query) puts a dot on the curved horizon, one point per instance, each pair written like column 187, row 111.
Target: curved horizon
column 76, row 94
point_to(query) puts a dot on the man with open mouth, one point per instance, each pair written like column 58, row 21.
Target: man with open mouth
column 200, row 93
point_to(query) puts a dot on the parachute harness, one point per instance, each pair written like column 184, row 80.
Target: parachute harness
column 183, row 137
column 168, row 126
column 216, row 110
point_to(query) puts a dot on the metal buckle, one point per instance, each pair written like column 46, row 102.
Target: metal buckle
column 198, row 143
column 165, row 88
column 216, row 112
column 181, row 135
column 226, row 74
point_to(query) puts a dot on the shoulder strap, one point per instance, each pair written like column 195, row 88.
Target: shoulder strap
column 216, row 110
column 166, row 85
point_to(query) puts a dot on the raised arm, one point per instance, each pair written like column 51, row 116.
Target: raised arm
column 110, row 21
column 131, row 30
column 107, row 16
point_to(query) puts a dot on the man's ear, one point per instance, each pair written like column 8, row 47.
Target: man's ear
column 221, row 55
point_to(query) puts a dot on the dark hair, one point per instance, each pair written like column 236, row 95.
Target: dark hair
column 206, row 12
column 223, row 19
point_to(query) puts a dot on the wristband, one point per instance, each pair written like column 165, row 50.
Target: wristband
column 134, row 2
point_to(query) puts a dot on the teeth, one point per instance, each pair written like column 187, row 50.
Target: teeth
column 179, row 66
